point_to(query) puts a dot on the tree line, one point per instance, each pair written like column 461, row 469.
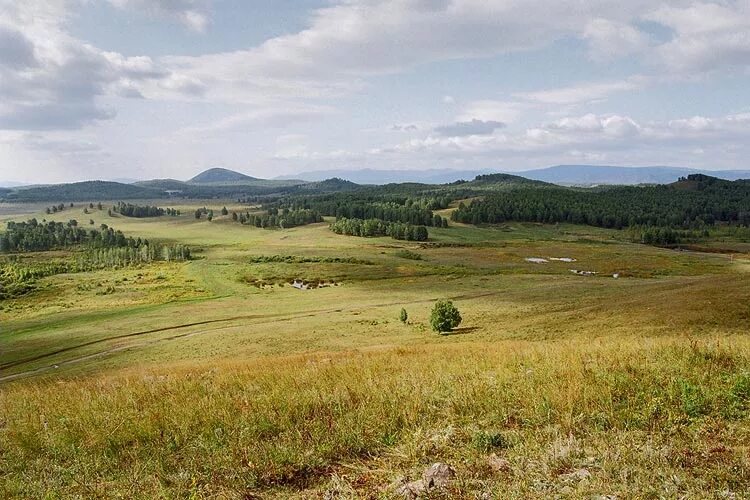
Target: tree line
column 142, row 211
column 20, row 278
column 377, row 227
column 56, row 208
column 700, row 204
column 414, row 210
column 279, row 218
column 34, row 236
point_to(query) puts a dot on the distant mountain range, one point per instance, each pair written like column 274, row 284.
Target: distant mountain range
column 376, row 176
column 592, row 174
column 583, row 175
column 223, row 183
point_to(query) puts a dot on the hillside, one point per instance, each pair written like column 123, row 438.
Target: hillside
column 334, row 184
column 216, row 377
column 691, row 202
column 501, row 180
column 164, row 184
column 81, row 191
column 220, row 176
column 388, row 176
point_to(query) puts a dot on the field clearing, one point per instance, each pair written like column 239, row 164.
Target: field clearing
column 215, row 378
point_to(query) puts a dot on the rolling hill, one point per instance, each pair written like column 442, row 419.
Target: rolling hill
column 81, row 191
column 581, row 175
column 221, row 176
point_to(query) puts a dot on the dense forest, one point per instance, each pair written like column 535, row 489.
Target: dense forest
column 142, row 211
column 280, row 218
column 387, row 207
column 377, row 227
column 692, row 203
column 82, row 191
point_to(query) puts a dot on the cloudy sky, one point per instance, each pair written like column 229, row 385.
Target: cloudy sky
column 167, row 88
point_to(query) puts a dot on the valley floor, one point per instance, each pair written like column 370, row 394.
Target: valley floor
column 215, row 378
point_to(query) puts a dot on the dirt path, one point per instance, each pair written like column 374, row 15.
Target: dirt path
column 276, row 317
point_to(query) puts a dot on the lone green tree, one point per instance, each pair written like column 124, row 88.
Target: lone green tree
column 403, row 316
column 445, row 316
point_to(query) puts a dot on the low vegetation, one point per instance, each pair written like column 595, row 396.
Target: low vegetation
column 582, row 363
column 616, row 418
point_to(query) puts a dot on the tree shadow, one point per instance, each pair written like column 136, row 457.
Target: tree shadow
column 461, row 331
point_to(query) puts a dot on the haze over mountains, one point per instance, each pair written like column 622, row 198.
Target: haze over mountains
column 559, row 174
column 576, row 175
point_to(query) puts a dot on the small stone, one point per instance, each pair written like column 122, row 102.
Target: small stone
column 578, row 475
column 412, row 490
column 498, row 464
column 438, row 475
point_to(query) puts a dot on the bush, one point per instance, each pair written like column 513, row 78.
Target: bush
column 486, row 441
column 403, row 316
column 445, row 317
column 408, row 254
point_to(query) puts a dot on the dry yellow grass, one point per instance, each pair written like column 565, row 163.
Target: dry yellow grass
column 644, row 417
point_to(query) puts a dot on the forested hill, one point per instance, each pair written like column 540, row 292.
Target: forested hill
column 692, row 202
column 81, row 191
column 220, row 175
column 494, row 180
column 334, row 184
column 167, row 188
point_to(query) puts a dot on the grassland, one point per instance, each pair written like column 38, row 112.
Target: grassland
column 216, row 379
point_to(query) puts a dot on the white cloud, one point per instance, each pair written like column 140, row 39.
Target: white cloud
column 586, row 136
column 610, row 39
column 279, row 116
column 406, row 127
column 472, row 127
column 50, row 80
column 193, row 14
column 492, row 110
column 585, row 92
column 706, row 36
column 353, row 40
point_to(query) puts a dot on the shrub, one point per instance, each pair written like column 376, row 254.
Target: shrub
column 486, row 441
column 445, row 317
column 403, row 316
column 408, row 254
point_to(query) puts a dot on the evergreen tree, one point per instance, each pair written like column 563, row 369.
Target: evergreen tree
column 445, row 316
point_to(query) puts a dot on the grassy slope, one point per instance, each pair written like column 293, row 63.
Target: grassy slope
column 642, row 381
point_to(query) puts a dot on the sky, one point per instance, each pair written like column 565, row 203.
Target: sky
column 140, row 89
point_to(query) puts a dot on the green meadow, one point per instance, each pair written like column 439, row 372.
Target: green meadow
column 215, row 378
